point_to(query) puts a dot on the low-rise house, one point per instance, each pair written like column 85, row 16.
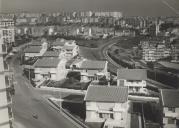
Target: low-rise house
column 67, row 48
column 50, row 68
column 170, row 108
column 70, row 51
column 58, row 44
column 91, row 69
column 37, row 31
column 134, row 79
column 34, row 51
column 108, row 104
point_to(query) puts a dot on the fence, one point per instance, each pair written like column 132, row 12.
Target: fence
column 80, row 123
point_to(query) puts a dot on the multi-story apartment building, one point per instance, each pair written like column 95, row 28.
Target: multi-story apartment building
column 6, row 115
column 8, row 32
column 153, row 51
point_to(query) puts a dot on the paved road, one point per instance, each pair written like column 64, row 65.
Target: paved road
column 27, row 102
column 113, row 66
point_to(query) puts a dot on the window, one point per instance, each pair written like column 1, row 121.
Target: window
column 171, row 109
column 112, row 116
column 171, row 121
column 106, row 115
column 121, row 82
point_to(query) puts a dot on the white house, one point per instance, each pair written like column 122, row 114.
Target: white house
column 67, row 48
column 134, row 79
column 58, row 44
column 91, row 69
column 170, row 108
column 35, row 50
column 70, row 51
column 108, row 104
column 50, row 68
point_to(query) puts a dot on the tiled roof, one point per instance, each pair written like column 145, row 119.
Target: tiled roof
column 37, row 43
column 51, row 54
column 93, row 64
column 170, row 98
column 47, row 63
column 33, row 49
column 132, row 74
column 68, row 47
column 107, row 94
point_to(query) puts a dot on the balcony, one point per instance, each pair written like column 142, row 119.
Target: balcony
column 171, row 114
column 9, row 97
column 3, row 49
column 10, row 113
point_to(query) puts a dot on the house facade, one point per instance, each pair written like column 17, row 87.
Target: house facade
column 108, row 105
column 134, row 79
column 35, row 50
column 170, row 108
column 50, row 68
column 67, row 48
column 91, row 69
column 155, row 50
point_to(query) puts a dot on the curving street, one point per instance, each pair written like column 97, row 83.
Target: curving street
column 27, row 102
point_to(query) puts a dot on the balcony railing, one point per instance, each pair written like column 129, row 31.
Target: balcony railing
column 6, row 66
column 3, row 49
column 10, row 113
column 9, row 97
column 171, row 114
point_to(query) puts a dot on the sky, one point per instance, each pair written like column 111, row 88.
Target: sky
column 128, row 7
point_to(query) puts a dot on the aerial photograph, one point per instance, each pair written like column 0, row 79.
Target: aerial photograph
column 89, row 63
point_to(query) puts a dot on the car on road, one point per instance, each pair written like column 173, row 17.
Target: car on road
column 35, row 116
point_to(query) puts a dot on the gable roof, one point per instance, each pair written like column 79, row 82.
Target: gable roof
column 47, row 63
column 170, row 98
column 33, row 49
column 93, row 64
column 132, row 74
column 51, row 54
column 107, row 94
column 37, row 43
